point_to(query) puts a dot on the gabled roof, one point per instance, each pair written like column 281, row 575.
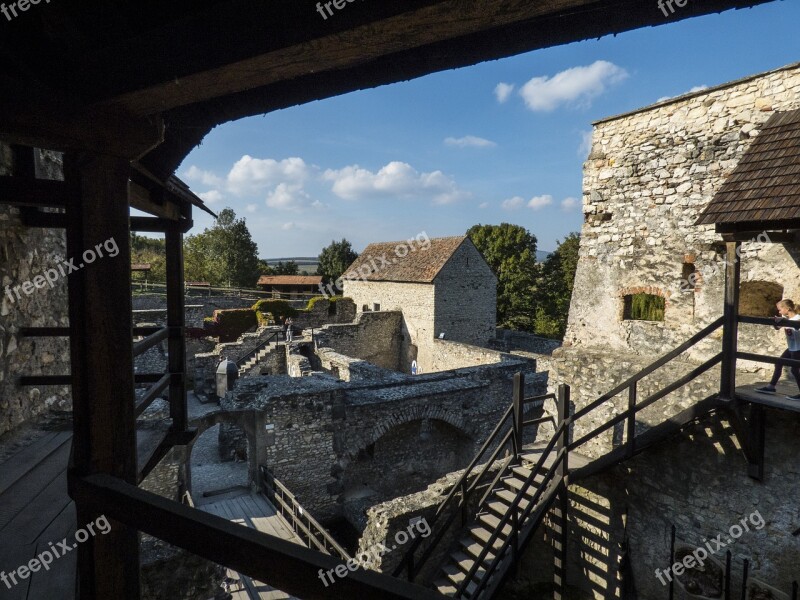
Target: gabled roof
column 290, row 280
column 403, row 262
column 763, row 192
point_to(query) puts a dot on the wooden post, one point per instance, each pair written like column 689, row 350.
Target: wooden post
column 176, row 321
column 562, row 540
column 730, row 332
column 519, row 399
column 672, row 562
column 756, row 438
column 728, row 558
column 101, row 353
column 632, row 399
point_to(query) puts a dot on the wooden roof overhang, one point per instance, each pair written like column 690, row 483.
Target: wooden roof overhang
column 763, row 192
column 150, row 79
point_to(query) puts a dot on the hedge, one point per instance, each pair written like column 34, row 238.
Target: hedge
column 277, row 310
column 229, row 325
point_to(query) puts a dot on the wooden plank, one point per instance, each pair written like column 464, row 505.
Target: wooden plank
column 21, row 191
column 21, row 463
column 778, row 400
column 37, row 514
column 176, row 321
column 12, row 556
column 730, row 328
column 59, row 580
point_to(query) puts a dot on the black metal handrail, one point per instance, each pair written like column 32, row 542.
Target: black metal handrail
column 243, row 360
column 301, row 521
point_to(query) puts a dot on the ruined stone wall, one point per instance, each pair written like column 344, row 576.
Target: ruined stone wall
column 414, row 300
column 466, row 298
column 448, row 355
column 698, row 482
column 26, row 253
column 648, row 177
column 374, row 337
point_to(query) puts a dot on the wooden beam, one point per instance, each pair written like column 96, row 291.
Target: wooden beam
column 101, row 353
column 775, row 237
column 756, row 227
column 730, row 328
column 176, row 322
column 756, row 428
column 282, row 564
column 30, row 217
column 21, row 191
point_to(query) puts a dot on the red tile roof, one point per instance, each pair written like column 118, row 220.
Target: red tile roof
column 401, row 261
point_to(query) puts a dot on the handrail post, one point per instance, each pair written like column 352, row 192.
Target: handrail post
column 730, row 332
column 464, row 509
column 519, row 397
column 563, row 415
column 632, row 397
column 562, row 446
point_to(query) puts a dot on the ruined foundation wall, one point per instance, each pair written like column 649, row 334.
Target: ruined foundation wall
column 375, row 337
column 25, row 254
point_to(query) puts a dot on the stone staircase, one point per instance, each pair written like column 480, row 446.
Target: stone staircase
column 484, row 541
column 250, row 367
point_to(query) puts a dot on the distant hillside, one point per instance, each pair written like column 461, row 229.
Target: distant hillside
column 307, row 265
column 541, row 255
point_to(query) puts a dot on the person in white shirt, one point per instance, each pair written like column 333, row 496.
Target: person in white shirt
column 786, row 310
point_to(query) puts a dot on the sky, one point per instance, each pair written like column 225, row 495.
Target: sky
column 502, row 141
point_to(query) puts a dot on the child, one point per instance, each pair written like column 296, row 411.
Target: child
column 786, row 310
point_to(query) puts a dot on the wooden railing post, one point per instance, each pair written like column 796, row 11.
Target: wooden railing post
column 730, row 332
column 562, row 540
column 632, row 397
column 519, row 399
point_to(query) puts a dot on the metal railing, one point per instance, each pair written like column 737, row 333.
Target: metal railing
column 313, row 534
column 243, row 360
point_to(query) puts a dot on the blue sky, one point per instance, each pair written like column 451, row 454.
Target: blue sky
column 444, row 152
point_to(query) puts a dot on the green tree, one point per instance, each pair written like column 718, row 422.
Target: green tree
column 281, row 268
column 224, row 254
column 510, row 251
column 553, row 290
column 334, row 259
column 152, row 251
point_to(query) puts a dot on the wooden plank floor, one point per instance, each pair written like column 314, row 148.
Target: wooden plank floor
column 35, row 511
column 779, row 399
column 256, row 512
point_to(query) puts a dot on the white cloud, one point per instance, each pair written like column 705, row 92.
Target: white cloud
column 196, row 174
column 697, row 88
column 483, row 205
column 211, row 196
column 538, row 202
column 513, row 203
column 250, row 175
column 569, row 203
column 469, row 141
column 578, row 85
column 288, row 197
column 502, row 91
column 288, row 226
column 585, row 147
column 395, row 179
column 251, row 208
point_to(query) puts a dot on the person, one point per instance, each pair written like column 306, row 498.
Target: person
column 289, row 323
column 786, row 310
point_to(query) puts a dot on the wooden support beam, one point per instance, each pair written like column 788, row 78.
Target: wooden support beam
column 518, row 401
column 101, row 352
column 44, row 331
column 730, row 331
column 282, row 564
column 176, row 321
column 46, row 220
column 40, row 380
column 151, row 395
column 37, row 193
column 756, row 427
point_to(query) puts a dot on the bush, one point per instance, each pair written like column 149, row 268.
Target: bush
column 277, row 310
column 229, row 325
column 313, row 302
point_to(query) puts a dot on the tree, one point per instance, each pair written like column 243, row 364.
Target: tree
column 225, row 254
column 510, row 251
column 281, row 268
column 554, row 288
column 334, row 260
column 152, row 251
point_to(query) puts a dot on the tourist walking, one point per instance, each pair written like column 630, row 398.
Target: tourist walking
column 289, row 323
column 786, row 310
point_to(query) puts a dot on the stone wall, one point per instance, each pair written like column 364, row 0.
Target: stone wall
column 26, row 254
column 414, row 300
column 350, row 369
column 320, row 427
column 649, row 175
column 465, row 298
column 374, row 337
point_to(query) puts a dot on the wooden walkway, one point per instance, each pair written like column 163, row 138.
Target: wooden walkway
column 255, row 511
column 35, row 511
column 779, row 399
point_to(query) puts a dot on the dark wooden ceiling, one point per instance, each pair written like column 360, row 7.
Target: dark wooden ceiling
column 118, row 76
